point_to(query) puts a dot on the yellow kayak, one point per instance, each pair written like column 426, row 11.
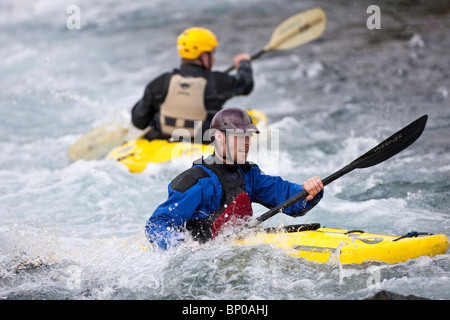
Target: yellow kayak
column 329, row 245
column 137, row 153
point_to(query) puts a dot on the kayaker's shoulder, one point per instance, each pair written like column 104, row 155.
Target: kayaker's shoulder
column 249, row 165
column 160, row 82
column 188, row 178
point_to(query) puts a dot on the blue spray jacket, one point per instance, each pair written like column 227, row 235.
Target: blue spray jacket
column 197, row 192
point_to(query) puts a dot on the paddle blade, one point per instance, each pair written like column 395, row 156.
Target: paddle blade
column 391, row 146
column 297, row 30
column 293, row 32
column 97, row 142
column 388, row 148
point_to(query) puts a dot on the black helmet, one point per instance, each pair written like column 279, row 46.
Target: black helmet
column 233, row 118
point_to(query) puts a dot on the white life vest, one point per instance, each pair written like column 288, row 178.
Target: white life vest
column 184, row 104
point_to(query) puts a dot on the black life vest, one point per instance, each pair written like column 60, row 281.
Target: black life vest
column 235, row 205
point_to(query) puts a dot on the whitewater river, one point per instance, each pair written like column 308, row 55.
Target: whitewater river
column 74, row 230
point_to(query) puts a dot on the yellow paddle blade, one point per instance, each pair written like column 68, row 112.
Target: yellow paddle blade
column 297, row 30
column 98, row 142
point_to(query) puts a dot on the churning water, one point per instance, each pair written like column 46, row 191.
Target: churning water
column 74, row 230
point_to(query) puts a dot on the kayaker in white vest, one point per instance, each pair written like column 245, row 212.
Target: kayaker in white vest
column 217, row 192
column 192, row 93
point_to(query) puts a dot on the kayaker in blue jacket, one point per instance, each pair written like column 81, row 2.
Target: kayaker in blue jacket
column 216, row 193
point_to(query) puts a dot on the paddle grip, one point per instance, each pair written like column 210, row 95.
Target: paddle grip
column 253, row 57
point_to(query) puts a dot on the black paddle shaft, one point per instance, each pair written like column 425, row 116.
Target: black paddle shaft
column 385, row 150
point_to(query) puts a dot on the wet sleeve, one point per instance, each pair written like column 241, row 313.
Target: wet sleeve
column 186, row 196
column 270, row 191
column 244, row 78
column 240, row 83
column 163, row 226
column 144, row 110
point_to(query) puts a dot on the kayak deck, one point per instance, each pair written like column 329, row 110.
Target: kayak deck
column 328, row 245
column 137, row 153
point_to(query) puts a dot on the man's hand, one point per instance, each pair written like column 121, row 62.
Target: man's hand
column 239, row 58
column 313, row 186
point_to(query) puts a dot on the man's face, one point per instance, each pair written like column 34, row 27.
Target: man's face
column 235, row 145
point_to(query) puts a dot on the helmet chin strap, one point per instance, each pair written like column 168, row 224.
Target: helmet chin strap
column 209, row 66
column 228, row 151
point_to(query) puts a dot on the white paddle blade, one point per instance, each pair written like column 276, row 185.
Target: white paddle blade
column 98, row 142
column 297, row 30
